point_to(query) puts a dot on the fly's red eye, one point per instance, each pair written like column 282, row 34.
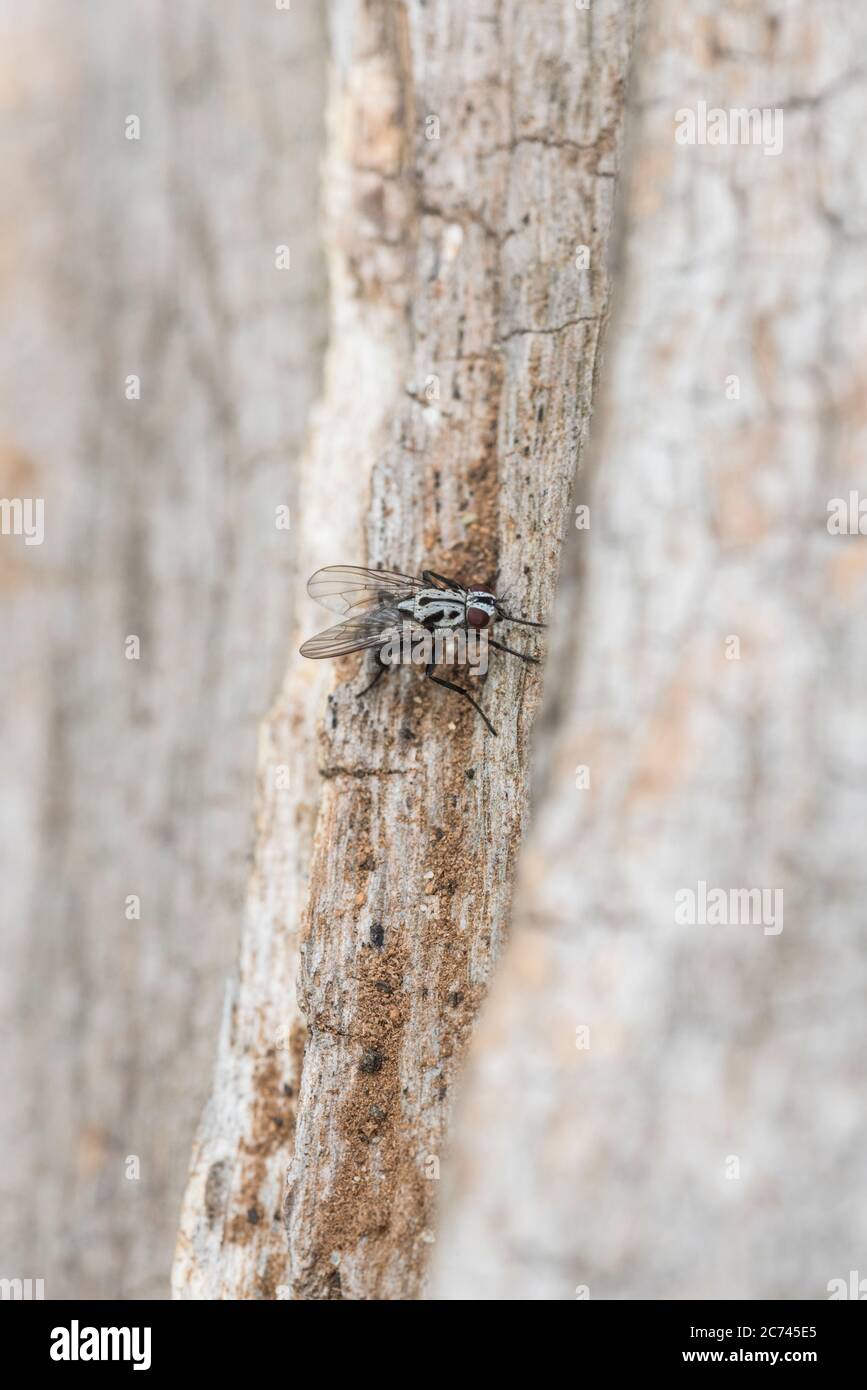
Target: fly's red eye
column 477, row 617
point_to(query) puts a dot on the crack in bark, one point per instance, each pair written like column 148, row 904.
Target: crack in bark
column 340, row 771
column 557, row 328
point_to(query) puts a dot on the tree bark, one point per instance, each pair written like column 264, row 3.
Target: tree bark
column 704, row 1136
column 471, row 156
column 151, row 257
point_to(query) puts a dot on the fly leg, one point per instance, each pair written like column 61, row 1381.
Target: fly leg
column 450, row 685
column 383, row 667
column 523, row 622
column 501, row 647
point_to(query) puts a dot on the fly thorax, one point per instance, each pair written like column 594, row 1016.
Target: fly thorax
column 436, row 608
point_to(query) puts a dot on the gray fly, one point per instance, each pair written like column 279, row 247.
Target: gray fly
column 375, row 604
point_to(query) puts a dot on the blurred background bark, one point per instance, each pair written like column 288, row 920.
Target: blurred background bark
column 655, row 1110
column 153, row 257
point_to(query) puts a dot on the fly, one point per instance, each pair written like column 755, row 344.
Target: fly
column 376, row 603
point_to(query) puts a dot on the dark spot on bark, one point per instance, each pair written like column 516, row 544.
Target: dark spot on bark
column 371, row 1062
column 455, row 998
column 215, row 1192
column 377, row 935
column 252, row 1216
column 373, row 206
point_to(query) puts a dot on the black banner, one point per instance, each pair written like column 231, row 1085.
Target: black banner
column 147, row 1338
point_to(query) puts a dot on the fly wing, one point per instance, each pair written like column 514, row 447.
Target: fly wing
column 349, row 589
column 355, row 634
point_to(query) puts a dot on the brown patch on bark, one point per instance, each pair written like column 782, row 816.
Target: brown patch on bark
column 272, row 1129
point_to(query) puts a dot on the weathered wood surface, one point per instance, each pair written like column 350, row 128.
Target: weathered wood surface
column 463, row 349
column 610, row 1167
column 153, row 257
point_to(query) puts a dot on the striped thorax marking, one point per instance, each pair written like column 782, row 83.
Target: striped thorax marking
column 435, row 608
